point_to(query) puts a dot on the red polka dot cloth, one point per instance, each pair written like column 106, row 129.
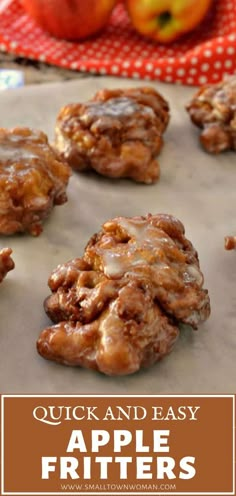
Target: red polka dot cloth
column 204, row 56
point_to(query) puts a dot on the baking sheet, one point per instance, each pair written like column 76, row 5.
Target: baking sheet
column 196, row 187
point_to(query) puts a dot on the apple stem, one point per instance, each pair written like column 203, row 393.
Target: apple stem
column 164, row 18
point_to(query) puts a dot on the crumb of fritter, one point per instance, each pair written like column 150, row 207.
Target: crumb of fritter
column 230, row 242
column 6, row 262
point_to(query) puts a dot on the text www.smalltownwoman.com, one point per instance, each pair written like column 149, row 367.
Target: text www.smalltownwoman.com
column 118, row 487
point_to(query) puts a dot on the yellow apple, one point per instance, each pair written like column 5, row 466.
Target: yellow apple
column 166, row 20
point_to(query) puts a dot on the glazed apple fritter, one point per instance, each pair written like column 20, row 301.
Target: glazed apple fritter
column 213, row 109
column 119, row 307
column 118, row 133
column 32, row 180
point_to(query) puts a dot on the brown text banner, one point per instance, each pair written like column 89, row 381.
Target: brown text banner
column 129, row 445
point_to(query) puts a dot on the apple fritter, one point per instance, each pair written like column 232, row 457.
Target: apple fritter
column 32, row 180
column 119, row 307
column 213, row 109
column 118, row 133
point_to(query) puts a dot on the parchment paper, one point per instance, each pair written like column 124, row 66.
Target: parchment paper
column 196, row 187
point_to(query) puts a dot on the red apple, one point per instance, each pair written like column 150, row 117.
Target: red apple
column 70, row 19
